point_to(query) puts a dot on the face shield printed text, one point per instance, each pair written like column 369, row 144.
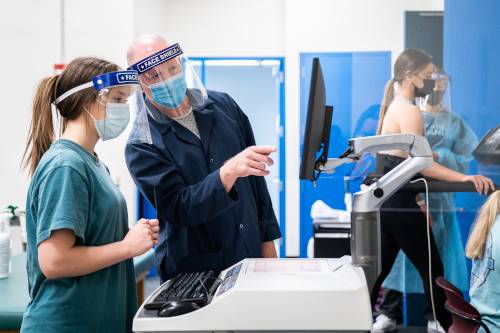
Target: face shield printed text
column 157, row 58
column 125, row 77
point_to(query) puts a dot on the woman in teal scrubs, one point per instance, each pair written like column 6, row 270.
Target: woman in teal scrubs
column 80, row 249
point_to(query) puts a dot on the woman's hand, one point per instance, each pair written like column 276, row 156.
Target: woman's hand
column 59, row 257
column 140, row 238
column 483, row 184
column 423, row 208
column 155, row 230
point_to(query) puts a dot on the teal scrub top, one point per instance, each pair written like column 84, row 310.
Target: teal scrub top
column 485, row 279
column 72, row 189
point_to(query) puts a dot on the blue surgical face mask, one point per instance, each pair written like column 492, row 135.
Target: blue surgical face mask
column 169, row 93
column 116, row 121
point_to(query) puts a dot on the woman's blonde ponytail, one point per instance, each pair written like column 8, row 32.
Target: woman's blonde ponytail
column 386, row 101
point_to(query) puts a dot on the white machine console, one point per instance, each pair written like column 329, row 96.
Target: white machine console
column 296, row 294
column 275, row 295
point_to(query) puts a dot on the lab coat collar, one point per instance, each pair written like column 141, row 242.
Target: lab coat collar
column 166, row 123
column 204, row 119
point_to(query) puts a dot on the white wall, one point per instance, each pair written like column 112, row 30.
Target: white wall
column 30, row 47
column 215, row 27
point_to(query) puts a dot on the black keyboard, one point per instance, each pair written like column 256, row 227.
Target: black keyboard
column 187, row 287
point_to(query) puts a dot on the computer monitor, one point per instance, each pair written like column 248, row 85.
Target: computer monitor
column 488, row 150
column 318, row 124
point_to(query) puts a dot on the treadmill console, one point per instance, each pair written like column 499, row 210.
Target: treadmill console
column 262, row 295
column 488, row 150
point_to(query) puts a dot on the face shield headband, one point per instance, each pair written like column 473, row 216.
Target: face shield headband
column 103, row 81
column 157, row 58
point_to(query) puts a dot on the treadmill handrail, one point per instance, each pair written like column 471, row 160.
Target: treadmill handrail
column 415, row 145
column 436, row 186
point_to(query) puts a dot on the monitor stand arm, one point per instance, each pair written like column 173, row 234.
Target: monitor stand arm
column 365, row 216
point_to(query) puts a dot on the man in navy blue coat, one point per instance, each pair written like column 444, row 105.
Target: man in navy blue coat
column 202, row 172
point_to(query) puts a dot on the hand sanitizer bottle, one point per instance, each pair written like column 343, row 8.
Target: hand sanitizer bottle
column 16, row 241
column 4, row 247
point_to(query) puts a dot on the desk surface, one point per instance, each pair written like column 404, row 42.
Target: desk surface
column 14, row 289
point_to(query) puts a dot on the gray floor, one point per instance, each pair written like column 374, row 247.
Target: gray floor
column 412, row 330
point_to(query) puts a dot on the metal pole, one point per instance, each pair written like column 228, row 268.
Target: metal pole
column 62, row 39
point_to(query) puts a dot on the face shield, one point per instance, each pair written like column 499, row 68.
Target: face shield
column 438, row 119
column 169, row 80
column 440, row 97
column 120, row 99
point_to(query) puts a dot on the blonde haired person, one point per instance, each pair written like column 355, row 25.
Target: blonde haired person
column 483, row 247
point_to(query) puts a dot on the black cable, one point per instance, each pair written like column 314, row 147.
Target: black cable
column 347, row 152
column 207, row 294
column 216, row 278
column 204, row 289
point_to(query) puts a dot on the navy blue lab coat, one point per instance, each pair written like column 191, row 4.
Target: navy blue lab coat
column 202, row 227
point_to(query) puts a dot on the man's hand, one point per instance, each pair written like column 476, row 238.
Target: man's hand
column 269, row 250
column 250, row 162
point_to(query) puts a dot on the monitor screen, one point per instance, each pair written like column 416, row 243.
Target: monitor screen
column 318, row 124
column 488, row 150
